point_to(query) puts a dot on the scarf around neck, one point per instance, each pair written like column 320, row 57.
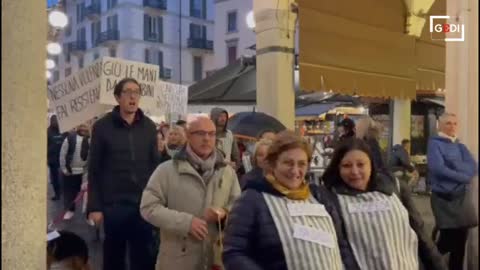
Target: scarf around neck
column 453, row 139
column 205, row 167
column 301, row 193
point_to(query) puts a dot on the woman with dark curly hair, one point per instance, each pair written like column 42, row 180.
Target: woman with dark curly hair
column 384, row 229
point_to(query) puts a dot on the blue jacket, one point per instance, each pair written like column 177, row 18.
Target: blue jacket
column 252, row 241
column 450, row 165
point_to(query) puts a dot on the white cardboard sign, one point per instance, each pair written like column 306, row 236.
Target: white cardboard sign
column 75, row 99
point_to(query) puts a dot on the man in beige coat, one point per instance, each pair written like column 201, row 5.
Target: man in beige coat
column 188, row 198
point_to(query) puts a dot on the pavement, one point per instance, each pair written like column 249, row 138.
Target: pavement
column 79, row 225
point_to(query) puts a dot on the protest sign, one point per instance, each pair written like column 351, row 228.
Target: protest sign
column 115, row 69
column 171, row 99
column 75, row 99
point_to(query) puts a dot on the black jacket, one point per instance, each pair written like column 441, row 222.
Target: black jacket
column 251, row 238
column 254, row 174
column 400, row 160
column 54, row 144
column 122, row 158
column 429, row 257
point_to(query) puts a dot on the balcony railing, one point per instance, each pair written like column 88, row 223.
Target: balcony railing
column 107, row 36
column 77, row 46
column 166, row 73
column 92, row 12
column 153, row 37
column 200, row 43
column 159, row 4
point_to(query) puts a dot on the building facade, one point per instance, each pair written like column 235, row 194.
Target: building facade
column 233, row 37
column 150, row 31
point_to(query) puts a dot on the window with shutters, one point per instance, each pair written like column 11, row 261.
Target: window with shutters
column 56, row 75
column 111, row 4
column 198, row 8
column 80, row 12
column 112, row 22
column 197, row 31
column 153, row 28
column 80, row 61
column 232, row 22
column 197, row 68
column 66, row 53
column 95, row 32
column 232, row 54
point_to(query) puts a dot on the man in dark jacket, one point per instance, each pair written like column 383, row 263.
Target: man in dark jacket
column 123, row 155
column 400, row 164
column 226, row 142
column 54, row 144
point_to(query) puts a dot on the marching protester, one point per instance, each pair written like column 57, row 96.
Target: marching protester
column 280, row 222
column 123, row 155
column 259, row 162
column 68, row 251
column 382, row 225
column 175, row 142
column 451, row 169
column 54, row 144
column 73, row 160
column 188, row 198
column 226, row 142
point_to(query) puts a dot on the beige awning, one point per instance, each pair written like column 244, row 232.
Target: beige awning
column 352, row 47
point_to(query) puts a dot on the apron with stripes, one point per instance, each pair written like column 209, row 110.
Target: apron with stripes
column 302, row 251
column 379, row 231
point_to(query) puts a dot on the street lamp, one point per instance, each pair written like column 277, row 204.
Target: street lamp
column 50, row 64
column 54, row 48
column 58, row 19
column 48, row 74
column 250, row 20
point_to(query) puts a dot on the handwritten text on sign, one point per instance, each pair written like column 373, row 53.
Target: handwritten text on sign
column 75, row 99
column 171, row 99
column 114, row 70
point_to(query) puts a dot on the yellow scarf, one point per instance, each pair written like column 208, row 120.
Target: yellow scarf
column 301, row 193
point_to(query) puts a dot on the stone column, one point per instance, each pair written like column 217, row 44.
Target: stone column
column 275, row 25
column 462, row 96
column 24, row 108
column 402, row 109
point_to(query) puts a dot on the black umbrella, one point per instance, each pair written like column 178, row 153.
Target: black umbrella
column 252, row 124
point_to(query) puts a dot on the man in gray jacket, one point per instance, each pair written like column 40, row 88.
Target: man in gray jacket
column 188, row 199
column 225, row 140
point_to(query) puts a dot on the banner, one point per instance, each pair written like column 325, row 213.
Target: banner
column 115, row 69
column 171, row 99
column 75, row 99
column 88, row 93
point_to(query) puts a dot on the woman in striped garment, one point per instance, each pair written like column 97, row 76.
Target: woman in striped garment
column 382, row 226
column 282, row 223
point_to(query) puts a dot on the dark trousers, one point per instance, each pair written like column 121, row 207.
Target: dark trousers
column 55, row 178
column 453, row 241
column 71, row 187
column 124, row 226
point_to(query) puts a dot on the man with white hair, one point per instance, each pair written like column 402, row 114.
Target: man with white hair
column 188, row 199
column 451, row 168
